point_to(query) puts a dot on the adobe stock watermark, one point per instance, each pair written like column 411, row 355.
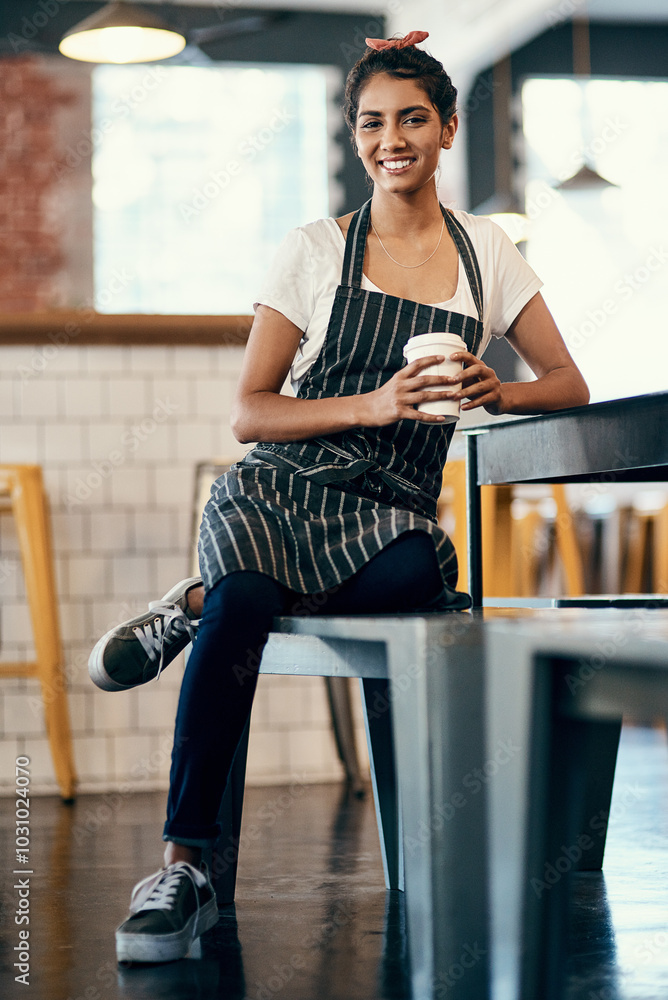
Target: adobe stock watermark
column 353, row 50
column 611, row 131
column 319, row 938
column 443, row 982
column 72, row 669
column 250, row 147
column 566, row 11
column 545, row 195
column 622, row 291
column 123, row 106
column 608, row 648
column 130, row 441
column 264, row 819
column 622, row 460
column 652, row 946
column 60, row 339
column 99, row 814
column 473, row 782
column 44, row 11
column 554, row 870
column 307, row 604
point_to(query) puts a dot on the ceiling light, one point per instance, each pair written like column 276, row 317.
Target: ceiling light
column 121, row 33
column 586, row 178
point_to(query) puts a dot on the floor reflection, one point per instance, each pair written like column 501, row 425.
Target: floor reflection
column 312, row 919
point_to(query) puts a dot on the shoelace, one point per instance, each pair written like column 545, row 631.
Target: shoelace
column 169, row 621
column 158, row 891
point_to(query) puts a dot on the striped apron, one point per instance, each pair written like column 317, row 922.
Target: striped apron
column 312, row 513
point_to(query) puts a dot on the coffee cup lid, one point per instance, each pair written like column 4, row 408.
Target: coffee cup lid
column 435, row 338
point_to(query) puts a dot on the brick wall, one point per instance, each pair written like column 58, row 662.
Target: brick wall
column 45, row 198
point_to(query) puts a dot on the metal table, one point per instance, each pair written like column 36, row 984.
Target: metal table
column 550, row 677
column 422, row 680
column 624, row 440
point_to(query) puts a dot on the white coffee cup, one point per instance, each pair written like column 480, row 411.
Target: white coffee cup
column 423, row 346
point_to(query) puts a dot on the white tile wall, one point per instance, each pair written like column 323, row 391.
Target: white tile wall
column 118, row 432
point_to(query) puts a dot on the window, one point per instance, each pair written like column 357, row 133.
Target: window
column 602, row 253
column 198, row 174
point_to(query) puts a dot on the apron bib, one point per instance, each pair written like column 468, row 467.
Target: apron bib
column 311, row 513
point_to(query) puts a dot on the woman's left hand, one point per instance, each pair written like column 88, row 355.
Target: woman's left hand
column 479, row 384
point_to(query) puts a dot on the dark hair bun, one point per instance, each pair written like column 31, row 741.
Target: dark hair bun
column 409, row 63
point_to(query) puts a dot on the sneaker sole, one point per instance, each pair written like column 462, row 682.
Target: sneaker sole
column 98, row 674
column 166, row 947
column 96, row 671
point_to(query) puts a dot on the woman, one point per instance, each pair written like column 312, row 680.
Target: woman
column 339, row 499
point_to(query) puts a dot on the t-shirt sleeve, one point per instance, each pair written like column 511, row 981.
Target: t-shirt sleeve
column 511, row 284
column 288, row 285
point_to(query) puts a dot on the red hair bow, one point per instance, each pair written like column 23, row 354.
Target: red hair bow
column 412, row 38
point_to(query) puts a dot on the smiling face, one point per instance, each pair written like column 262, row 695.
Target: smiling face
column 399, row 133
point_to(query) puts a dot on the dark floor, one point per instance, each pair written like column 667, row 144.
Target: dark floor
column 312, row 921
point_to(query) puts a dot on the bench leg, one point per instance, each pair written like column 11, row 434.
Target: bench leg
column 223, row 858
column 440, row 758
column 378, row 723
column 338, row 695
column 600, row 742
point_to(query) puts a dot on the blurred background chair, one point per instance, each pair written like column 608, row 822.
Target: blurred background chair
column 22, row 493
column 526, row 537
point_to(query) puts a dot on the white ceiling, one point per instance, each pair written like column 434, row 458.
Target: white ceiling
column 467, row 35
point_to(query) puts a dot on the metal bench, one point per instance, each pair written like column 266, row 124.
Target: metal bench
column 422, row 679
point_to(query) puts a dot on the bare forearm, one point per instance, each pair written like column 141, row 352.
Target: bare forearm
column 557, row 390
column 268, row 416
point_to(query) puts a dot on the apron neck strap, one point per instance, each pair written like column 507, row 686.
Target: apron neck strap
column 468, row 255
column 353, row 258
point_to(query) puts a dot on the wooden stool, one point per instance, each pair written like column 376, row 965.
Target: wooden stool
column 23, row 485
column 646, row 563
column 508, row 553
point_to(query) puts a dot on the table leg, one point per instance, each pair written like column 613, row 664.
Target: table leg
column 600, row 742
column 439, row 744
column 473, row 518
column 557, row 842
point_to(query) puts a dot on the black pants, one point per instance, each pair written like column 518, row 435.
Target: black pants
column 221, row 675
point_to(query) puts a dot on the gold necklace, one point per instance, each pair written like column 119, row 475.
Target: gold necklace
column 410, row 266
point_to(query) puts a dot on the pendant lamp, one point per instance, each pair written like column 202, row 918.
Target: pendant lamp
column 121, row 33
column 586, row 178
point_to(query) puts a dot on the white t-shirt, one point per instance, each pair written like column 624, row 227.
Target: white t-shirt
column 306, row 271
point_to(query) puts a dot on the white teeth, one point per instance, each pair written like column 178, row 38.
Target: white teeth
column 396, row 164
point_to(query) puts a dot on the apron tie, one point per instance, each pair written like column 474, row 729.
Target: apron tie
column 327, row 473
column 354, row 465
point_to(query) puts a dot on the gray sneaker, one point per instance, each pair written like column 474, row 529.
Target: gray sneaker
column 168, row 912
column 139, row 649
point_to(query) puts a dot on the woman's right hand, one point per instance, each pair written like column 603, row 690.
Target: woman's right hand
column 400, row 396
